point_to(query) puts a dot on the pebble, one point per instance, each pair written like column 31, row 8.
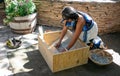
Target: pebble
column 100, row 59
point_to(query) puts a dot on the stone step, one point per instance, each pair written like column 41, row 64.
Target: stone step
column 2, row 5
column 2, row 10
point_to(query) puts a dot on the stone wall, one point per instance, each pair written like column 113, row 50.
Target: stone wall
column 107, row 15
column 2, row 13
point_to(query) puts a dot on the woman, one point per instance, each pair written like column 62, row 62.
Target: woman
column 83, row 26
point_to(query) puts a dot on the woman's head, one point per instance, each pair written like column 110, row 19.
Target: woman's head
column 69, row 13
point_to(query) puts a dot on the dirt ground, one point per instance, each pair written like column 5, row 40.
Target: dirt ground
column 112, row 40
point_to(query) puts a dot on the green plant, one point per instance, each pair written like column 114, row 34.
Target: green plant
column 16, row 8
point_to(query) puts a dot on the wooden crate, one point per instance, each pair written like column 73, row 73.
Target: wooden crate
column 57, row 61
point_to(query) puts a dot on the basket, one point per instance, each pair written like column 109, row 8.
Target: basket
column 103, row 54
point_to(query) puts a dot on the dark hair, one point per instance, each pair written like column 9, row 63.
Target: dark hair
column 69, row 12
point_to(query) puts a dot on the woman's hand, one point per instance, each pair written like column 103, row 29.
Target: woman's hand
column 57, row 45
column 63, row 50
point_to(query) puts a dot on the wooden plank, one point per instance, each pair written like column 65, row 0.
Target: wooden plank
column 80, row 41
column 85, row 53
column 48, row 56
column 70, row 59
column 50, row 37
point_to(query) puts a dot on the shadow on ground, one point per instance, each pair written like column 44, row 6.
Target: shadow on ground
column 40, row 68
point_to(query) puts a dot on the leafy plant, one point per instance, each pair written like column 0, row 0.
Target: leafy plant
column 16, row 8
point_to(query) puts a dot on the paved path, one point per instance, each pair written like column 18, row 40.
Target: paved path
column 4, row 62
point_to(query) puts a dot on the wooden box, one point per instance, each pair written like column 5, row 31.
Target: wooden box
column 57, row 61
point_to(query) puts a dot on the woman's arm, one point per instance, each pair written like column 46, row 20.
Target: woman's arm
column 64, row 31
column 78, row 30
